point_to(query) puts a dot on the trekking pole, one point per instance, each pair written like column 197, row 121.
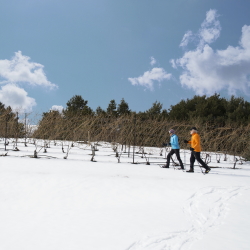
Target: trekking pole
column 199, row 166
column 185, row 148
column 184, row 159
column 202, row 170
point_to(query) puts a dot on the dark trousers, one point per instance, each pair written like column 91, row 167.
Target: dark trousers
column 197, row 156
column 177, row 152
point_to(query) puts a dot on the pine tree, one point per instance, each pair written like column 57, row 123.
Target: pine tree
column 100, row 111
column 77, row 106
column 155, row 109
column 111, row 110
column 123, row 108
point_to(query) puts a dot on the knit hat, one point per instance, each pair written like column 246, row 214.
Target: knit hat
column 193, row 128
column 171, row 131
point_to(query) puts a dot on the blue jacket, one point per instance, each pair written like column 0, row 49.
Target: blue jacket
column 174, row 142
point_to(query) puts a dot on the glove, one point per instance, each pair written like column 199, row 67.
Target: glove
column 185, row 141
column 192, row 149
column 166, row 144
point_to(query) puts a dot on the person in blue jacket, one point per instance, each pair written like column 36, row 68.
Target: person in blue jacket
column 175, row 149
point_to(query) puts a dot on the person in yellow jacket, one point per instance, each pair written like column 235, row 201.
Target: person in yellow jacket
column 196, row 151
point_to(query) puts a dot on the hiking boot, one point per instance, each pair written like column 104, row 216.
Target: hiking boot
column 190, row 171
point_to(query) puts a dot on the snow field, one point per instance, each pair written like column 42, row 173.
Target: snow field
column 52, row 203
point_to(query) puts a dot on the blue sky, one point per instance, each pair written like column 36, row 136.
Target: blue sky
column 140, row 50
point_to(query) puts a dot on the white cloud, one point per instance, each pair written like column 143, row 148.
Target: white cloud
column 173, row 63
column 57, row 108
column 20, row 70
column 186, row 38
column 153, row 61
column 208, row 33
column 148, row 78
column 207, row 71
column 210, row 28
column 17, row 98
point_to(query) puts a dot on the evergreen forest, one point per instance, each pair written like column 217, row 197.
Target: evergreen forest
column 222, row 123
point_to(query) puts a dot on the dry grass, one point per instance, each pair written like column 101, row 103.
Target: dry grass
column 128, row 130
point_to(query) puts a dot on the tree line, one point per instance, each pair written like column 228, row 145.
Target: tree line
column 10, row 127
column 214, row 109
column 222, row 123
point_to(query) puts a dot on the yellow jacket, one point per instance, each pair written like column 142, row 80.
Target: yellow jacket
column 195, row 142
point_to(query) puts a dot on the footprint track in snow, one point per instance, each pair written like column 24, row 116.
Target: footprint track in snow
column 205, row 210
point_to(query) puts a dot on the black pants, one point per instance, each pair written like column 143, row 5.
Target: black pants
column 197, row 156
column 177, row 152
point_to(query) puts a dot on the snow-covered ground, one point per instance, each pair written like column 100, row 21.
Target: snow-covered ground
column 52, row 203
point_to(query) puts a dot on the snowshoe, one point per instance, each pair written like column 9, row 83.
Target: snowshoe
column 164, row 166
column 207, row 170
